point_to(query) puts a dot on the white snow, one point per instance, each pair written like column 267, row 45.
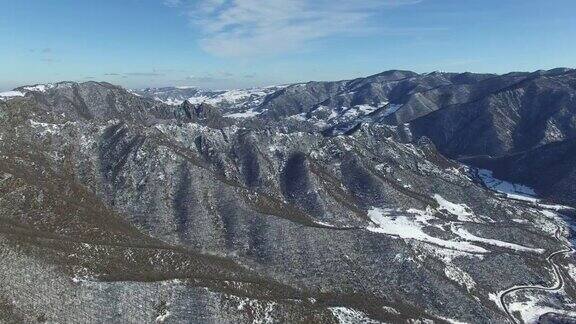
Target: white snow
column 462, row 211
column 246, row 114
column 471, row 237
column 383, row 167
column 47, row 128
column 365, row 109
column 350, row 113
column 162, row 318
column 451, row 321
column 531, row 309
column 346, row 315
column 15, row 93
column 572, row 271
column 299, row 117
column 549, row 223
column 261, row 312
column 511, row 190
column 390, row 310
column 459, row 276
column 39, row 87
column 411, row 228
column 235, row 95
column 176, row 102
column 333, row 115
column 11, row 94
column 555, row 207
column 134, row 93
column 324, row 224
column 495, row 297
column 446, row 255
column 216, row 98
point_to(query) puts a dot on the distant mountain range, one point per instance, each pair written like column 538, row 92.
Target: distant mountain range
column 399, row 197
column 242, row 99
column 468, row 116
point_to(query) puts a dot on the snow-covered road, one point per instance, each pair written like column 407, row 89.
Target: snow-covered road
column 557, row 275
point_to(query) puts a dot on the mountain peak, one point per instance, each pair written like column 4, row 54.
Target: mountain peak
column 396, row 74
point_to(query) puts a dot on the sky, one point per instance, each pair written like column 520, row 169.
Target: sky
column 222, row 44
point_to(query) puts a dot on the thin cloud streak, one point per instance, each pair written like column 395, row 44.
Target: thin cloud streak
column 246, row 28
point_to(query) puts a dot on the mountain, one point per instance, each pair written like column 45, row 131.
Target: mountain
column 467, row 116
column 536, row 110
column 229, row 100
column 324, row 202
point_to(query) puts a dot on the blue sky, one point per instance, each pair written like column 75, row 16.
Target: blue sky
column 243, row 43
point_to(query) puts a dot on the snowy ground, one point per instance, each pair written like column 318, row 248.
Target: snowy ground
column 10, row 94
column 526, row 303
column 511, row 190
column 247, row 114
column 409, row 225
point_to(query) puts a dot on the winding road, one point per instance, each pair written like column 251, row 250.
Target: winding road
column 558, row 276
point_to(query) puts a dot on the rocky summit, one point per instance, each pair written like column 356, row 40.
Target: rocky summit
column 395, row 198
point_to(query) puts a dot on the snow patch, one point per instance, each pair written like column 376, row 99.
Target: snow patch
column 261, row 312
column 163, row 317
column 366, row 109
column 451, row 321
column 324, row 224
column 134, row 93
column 11, row 94
column 299, row 117
column 471, row 237
column 555, row 207
column 231, row 99
column 346, row 315
column 383, row 167
column 495, row 297
column 459, row 276
column 46, row 127
column 571, row 269
column 462, row 211
column 390, row 310
column 411, row 228
column 531, row 310
column 39, row 87
column 246, row 114
column 511, row 190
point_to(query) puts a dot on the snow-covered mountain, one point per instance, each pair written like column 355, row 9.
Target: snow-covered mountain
column 324, row 202
column 230, row 100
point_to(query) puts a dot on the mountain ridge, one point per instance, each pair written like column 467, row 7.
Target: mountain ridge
column 123, row 200
column 437, row 105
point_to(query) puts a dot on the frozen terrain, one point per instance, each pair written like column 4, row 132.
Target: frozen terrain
column 323, row 202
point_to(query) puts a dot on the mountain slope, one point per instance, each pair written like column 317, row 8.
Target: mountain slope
column 466, row 115
column 536, row 111
column 226, row 100
column 551, row 169
column 130, row 209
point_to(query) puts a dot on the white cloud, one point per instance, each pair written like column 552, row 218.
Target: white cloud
column 240, row 28
column 172, row 3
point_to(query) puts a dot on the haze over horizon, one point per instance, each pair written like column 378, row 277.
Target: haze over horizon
column 244, row 43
